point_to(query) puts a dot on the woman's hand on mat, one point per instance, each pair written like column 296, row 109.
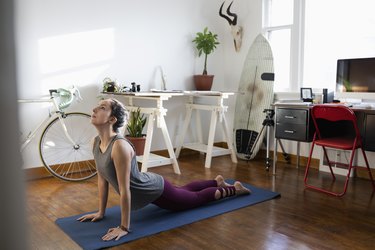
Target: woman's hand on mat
column 92, row 217
column 114, row 233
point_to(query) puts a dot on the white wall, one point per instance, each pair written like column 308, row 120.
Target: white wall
column 61, row 43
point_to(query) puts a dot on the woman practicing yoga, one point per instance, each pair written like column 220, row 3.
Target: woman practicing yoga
column 117, row 165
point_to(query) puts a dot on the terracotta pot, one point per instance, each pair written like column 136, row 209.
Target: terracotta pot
column 138, row 143
column 203, row 82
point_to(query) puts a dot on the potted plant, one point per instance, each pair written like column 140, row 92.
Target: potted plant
column 206, row 44
column 110, row 85
column 135, row 126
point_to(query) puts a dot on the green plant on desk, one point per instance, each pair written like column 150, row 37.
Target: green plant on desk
column 135, row 126
column 136, row 123
column 205, row 43
column 110, row 85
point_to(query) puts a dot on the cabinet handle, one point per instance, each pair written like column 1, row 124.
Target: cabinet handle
column 289, row 131
column 289, row 117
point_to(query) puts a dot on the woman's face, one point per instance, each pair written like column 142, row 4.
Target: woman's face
column 101, row 114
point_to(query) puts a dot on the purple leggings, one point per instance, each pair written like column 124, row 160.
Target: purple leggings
column 189, row 196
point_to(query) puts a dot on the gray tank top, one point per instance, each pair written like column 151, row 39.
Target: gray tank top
column 144, row 187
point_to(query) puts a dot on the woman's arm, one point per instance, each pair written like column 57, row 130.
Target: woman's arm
column 122, row 154
column 103, row 198
column 103, row 194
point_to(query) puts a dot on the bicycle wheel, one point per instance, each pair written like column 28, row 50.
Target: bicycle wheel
column 64, row 159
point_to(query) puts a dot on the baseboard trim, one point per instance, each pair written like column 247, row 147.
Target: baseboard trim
column 36, row 173
column 293, row 159
column 315, row 163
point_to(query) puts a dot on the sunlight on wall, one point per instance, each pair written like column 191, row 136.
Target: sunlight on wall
column 81, row 77
column 77, row 57
column 65, row 60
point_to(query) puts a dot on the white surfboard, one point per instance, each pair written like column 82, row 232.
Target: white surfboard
column 256, row 95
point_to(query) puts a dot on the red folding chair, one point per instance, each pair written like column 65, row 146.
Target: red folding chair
column 336, row 127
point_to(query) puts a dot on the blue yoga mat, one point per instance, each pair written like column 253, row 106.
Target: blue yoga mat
column 152, row 219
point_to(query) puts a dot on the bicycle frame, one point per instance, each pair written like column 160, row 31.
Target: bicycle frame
column 56, row 113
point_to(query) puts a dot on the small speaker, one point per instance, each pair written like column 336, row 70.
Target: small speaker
column 325, row 92
column 327, row 96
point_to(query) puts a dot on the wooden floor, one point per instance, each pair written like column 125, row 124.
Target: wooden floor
column 300, row 219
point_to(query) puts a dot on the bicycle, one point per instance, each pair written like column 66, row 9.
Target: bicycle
column 65, row 145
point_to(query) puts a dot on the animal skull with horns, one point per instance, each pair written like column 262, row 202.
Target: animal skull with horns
column 236, row 30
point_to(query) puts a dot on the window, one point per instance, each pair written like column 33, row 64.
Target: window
column 309, row 36
column 282, row 22
column 335, row 29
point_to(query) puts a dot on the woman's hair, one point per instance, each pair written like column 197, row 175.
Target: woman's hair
column 121, row 114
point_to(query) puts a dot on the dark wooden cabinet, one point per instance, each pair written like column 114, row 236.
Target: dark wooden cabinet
column 369, row 132
column 294, row 124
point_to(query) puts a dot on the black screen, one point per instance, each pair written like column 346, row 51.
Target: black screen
column 355, row 75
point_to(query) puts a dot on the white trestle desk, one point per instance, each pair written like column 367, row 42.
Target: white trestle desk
column 217, row 113
column 156, row 111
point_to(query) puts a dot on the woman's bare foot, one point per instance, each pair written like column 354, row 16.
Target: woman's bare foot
column 221, row 182
column 240, row 189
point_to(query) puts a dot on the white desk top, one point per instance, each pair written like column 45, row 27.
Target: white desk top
column 148, row 94
column 208, row 93
column 171, row 93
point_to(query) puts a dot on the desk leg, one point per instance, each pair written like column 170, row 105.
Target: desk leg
column 150, row 131
column 167, row 139
column 211, row 136
column 274, row 155
column 298, row 149
column 184, row 130
column 228, row 139
column 198, row 126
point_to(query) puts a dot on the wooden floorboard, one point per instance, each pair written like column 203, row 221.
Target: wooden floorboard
column 300, row 219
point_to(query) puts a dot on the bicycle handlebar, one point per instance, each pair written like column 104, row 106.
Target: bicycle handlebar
column 67, row 96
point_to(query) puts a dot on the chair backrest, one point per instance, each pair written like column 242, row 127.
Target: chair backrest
column 328, row 113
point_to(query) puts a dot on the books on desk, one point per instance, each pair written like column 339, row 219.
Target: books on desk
column 214, row 93
column 165, row 91
column 364, row 105
column 202, row 92
column 293, row 103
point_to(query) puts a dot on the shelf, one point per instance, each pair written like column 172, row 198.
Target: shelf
column 155, row 160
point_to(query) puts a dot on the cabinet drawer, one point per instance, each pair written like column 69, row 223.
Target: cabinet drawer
column 292, row 116
column 369, row 135
column 297, row 132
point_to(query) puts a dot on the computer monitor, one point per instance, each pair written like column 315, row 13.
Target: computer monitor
column 355, row 75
